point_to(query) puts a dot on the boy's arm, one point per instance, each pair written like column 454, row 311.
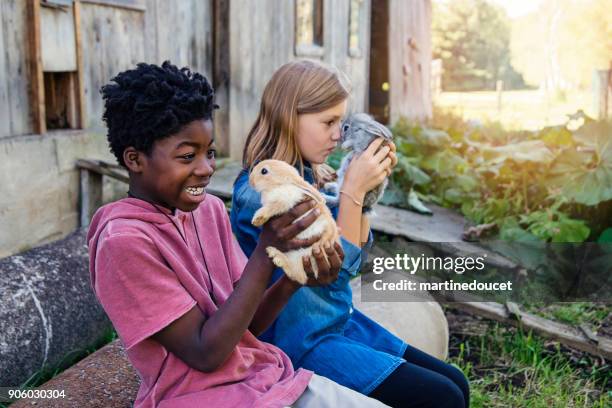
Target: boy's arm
column 277, row 295
column 205, row 343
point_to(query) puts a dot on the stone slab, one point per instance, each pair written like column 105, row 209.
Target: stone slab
column 47, row 308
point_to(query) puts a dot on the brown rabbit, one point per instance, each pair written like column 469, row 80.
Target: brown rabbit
column 281, row 188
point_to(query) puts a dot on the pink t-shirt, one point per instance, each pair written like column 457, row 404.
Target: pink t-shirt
column 146, row 275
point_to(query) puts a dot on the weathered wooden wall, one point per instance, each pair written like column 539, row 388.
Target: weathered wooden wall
column 115, row 39
column 409, row 59
column 262, row 39
column 38, row 180
column 14, row 100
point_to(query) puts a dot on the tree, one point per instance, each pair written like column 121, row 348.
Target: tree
column 560, row 44
column 472, row 37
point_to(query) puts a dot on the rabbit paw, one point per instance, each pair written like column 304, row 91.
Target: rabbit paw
column 259, row 218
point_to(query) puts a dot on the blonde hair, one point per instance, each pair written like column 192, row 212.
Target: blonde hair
column 295, row 88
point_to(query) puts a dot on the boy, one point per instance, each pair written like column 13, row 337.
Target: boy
column 164, row 264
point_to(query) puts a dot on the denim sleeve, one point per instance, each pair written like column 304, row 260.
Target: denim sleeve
column 245, row 201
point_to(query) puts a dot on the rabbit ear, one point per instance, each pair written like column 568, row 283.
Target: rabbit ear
column 378, row 129
column 311, row 192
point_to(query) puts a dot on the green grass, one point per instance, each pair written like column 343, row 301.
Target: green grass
column 574, row 313
column 509, row 367
column 521, row 110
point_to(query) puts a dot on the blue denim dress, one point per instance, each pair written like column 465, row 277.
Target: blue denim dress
column 319, row 329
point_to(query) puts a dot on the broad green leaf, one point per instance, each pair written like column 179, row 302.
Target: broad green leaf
column 415, row 204
column 606, row 236
column 454, row 195
column 527, row 151
column 584, row 177
column 393, row 196
column 445, row 163
column 571, row 231
column 466, row 182
column 414, row 174
column 557, row 136
column 433, row 137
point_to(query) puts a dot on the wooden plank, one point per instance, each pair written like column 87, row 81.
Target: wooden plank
column 190, row 42
column 16, row 30
column 57, row 34
column 410, row 59
column 221, row 73
column 112, row 42
column 80, row 86
column 103, row 168
column 557, row 331
column 91, row 195
column 151, row 33
column 138, row 5
column 443, row 226
column 5, row 115
column 37, row 97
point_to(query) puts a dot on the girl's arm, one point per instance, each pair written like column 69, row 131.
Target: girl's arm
column 205, row 343
column 365, row 229
column 365, row 172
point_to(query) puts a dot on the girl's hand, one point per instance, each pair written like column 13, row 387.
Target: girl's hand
column 280, row 231
column 369, row 169
column 393, row 158
column 328, row 269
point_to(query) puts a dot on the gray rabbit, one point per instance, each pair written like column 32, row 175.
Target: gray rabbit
column 357, row 132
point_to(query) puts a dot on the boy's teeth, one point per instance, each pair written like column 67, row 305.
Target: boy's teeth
column 195, row 190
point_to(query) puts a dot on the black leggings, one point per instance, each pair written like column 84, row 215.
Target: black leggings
column 424, row 382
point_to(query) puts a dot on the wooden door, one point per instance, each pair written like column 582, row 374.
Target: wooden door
column 378, row 99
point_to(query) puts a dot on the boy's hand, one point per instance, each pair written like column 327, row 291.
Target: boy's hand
column 328, row 268
column 280, row 231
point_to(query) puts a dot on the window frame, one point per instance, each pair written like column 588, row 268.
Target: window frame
column 312, row 49
column 36, row 69
column 356, row 52
column 137, row 5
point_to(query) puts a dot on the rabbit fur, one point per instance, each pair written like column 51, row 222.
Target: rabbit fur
column 357, row 132
column 281, row 188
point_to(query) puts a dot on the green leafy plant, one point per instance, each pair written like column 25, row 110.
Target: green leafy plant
column 552, row 185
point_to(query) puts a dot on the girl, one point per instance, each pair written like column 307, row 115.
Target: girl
column 299, row 122
column 164, row 265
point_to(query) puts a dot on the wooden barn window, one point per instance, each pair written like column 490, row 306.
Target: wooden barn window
column 55, row 65
column 309, row 28
column 355, row 37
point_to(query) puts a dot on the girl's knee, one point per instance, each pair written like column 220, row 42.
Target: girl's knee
column 450, row 395
column 457, row 376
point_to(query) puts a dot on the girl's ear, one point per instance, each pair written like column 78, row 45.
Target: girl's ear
column 133, row 159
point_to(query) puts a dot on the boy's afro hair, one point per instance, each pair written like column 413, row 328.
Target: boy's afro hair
column 150, row 103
